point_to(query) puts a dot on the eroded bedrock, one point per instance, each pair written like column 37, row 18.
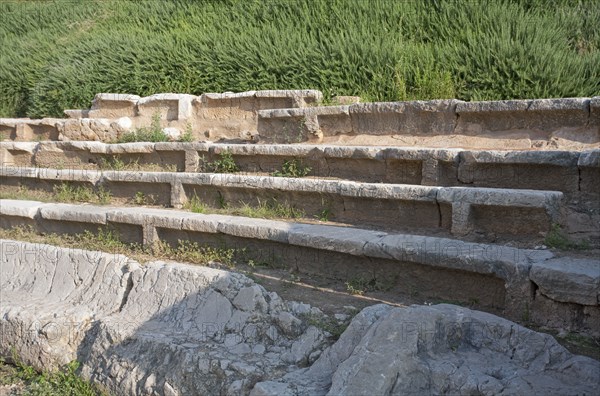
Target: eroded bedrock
column 441, row 349
column 175, row 329
column 158, row 328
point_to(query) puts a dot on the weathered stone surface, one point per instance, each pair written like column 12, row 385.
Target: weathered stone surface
column 18, row 208
column 171, row 106
column 347, row 240
column 581, row 104
column 52, row 296
column 100, row 98
column 440, row 349
column 589, row 159
column 101, row 129
column 568, row 279
column 27, row 147
column 520, row 169
column 543, row 115
column 229, row 95
column 549, row 200
column 76, row 113
column 172, row 133
column 82, row 214
column 130, row 148
column 496, row 169
column 136, row 333
column 398, row 118
column 509, row 264
column 69, row 175
column 555, row 158
column 17, row 171
column 254, row 228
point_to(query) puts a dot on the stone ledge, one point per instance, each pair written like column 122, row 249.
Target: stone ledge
column 507, row 263
column 305, row 112
column 461, row 199
column 568, row 280
column 430, row 106
column 113, row 97
column 80, row 214
column 18, row 208
column 492, row 106
column 589, row 159
column 554, row 158
column 501, row 197
column 580, row 104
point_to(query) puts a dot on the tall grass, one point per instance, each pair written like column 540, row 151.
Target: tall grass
column 57, row 55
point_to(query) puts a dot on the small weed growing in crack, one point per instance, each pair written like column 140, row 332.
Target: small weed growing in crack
column 269, row 210
column 139, row 198
column 66, row 192
column 195, row 253
column 225, row 164
column 292, row 168
column 114, row 163
column 326, row 323
column 195, row 205
column 154, row 133
column 557, row 239
column 187, row 136
column 360, row 286
column 324, row 214
column 104, row 196
column 221, row 201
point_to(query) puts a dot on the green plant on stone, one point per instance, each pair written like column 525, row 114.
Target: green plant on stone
column 153, row 134
column 270, row 209
column 221, row 201
column 104, row 238
column 359, row 286
column 188, row 135
column 292, row 168
column 194, row 204
column 139, row 198
column 113, row 163
column 104, row 196
column 557, row 239
column 325, row 213
column 195, row 253
column 225, row 164
column 326, row 323
column 66, row 192
column 64, row 381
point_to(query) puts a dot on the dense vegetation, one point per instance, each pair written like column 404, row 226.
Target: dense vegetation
column 58, row 54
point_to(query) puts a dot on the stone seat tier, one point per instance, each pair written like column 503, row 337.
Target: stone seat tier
column 551, row 291
column 290, row 117
column 458, row 210
column 572, row 171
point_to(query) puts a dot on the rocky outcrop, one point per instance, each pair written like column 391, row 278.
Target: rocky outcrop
column 442, row 349
column 161, row 328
